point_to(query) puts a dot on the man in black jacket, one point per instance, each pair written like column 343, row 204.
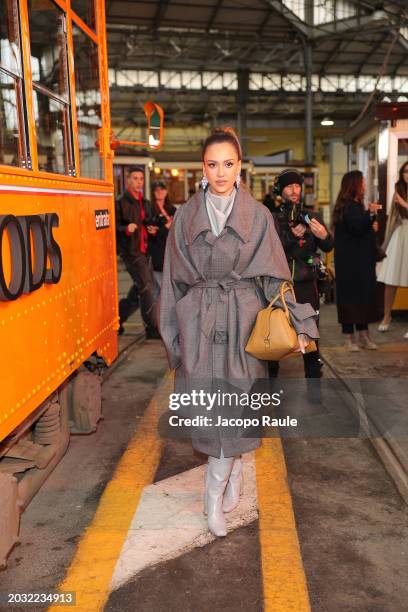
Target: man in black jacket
column 302, row 233
column 133, row 213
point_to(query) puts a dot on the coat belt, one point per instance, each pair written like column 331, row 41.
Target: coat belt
column 208, row 313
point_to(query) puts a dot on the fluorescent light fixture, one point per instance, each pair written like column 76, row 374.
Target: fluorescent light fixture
column 327, row 121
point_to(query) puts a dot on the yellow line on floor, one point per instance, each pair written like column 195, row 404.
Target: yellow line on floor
column 91, row 570
column 284, row 581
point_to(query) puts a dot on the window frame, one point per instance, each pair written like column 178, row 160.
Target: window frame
column 85, row 30
column 24, row 148
column 99, row 38
column 66, row 102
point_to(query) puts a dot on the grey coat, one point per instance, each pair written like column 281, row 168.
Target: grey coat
column 209, row 301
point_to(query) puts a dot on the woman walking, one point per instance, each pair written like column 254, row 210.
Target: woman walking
column 219, row 243
column 355, row 260
column 163, row 213
column 393, row 270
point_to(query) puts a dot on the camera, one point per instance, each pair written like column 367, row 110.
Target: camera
column 159, row 221
column 302, row 219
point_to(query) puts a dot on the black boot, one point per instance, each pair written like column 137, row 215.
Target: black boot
column 313, row 365
column 152, row 334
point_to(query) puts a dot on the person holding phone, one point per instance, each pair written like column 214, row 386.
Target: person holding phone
column 158, row 229
column 302, row 233
column 355, row 254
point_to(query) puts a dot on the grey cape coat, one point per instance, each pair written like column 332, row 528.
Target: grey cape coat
column 209, row 301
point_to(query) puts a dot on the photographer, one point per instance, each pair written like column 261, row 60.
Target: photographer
column 302, row 233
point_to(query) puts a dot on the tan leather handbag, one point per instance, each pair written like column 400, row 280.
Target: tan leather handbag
column 273, row 337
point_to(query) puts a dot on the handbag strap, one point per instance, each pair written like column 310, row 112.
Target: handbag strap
column 284, row 287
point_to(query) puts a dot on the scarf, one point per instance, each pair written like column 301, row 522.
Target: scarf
column 143, row 231
column 219, row 209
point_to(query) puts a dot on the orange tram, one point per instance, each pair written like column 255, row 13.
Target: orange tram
column 58, row 278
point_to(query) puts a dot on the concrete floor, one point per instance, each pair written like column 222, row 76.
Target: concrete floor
column 224, row 576
column 49, row 538
column 351, row 522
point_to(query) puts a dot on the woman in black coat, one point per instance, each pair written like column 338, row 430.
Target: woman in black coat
column 355, row 260
column 163, row 213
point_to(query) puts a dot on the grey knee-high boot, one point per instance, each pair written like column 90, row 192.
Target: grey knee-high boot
column 234, row 487
column 217, row 475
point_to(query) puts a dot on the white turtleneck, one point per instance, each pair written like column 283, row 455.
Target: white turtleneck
column 219, row 209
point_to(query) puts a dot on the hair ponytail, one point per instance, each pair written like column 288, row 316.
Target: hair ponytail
column 221, row 135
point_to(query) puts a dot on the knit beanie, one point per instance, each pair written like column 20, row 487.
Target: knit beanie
column 289, row 177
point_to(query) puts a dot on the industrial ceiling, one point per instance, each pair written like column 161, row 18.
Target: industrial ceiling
column 205, row 60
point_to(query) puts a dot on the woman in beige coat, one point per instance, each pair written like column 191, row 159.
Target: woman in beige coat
column 219, row 242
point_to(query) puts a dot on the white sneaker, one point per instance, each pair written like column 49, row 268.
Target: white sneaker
column 384, row 327
column 366, row 342
column 351, row 345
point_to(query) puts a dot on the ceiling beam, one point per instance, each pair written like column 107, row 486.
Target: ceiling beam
column 377, row 19
column 403, row 62
column 332, row 55
column 160, row 12
column 264, row 23
column 290, row 17
column 214, row 15
column 377, row 46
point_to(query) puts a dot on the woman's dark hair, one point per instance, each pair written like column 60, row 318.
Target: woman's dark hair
column 220, row 135
column 168, row 206
column 400, row 185
column 351, row 190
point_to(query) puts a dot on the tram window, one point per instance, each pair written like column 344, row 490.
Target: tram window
column 9, row 37
column 48, row 47
column 13, row 144
column 85, row 9
column 51, row 122
column 9, row 136
column 50, row 87
column 88, row 102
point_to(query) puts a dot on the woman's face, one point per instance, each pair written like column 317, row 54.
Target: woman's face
column 160, row 194
column 221, row 166
column 405, row 174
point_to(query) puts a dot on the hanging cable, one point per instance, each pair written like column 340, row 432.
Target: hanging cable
column 380, row 75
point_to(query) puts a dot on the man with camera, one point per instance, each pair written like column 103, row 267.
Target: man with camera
column 133, row 218
column 302, row 233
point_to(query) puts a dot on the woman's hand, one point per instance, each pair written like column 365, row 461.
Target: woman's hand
column 303, row 340
column 374, row 207
column 131, row 228
column 401, row 201
column 298, row 230
column 152, row 229
column 318, row 229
